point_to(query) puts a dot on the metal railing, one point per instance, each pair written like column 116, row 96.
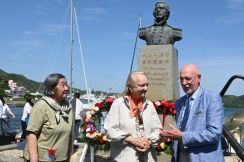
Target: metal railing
column 229, row 137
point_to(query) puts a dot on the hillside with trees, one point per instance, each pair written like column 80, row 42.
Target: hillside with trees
column 231, row 101
column 30, row 85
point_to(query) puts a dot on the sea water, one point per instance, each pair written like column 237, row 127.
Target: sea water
column 15, row 124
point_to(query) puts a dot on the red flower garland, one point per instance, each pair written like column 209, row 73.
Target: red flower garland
column 165, row 107
column 105, row 104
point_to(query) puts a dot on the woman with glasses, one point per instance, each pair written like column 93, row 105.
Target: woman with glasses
column 133, row 124
column 49, row 131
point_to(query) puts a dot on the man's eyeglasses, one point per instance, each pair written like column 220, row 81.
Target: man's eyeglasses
column 187, row 79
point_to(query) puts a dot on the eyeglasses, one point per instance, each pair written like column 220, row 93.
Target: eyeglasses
column 187, row 79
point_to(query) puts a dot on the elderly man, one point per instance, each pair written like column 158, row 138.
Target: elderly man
column 160, row 33
column 199, row 121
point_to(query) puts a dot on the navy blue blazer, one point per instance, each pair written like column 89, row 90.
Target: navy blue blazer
column 202, row 136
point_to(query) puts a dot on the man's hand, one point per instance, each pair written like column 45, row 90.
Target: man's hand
column 173, row 134
column 163, row 138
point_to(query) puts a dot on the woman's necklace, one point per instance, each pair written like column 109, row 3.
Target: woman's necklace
column 136, row 111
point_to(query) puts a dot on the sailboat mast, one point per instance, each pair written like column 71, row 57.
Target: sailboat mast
column 71, row 46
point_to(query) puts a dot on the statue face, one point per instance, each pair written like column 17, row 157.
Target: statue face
column 161, row 11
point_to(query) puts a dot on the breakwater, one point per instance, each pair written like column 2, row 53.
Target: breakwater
column 15, row 103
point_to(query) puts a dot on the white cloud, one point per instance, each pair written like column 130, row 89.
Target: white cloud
column 95, row 10
column 230, row 20
column 42, row 7
column 234, row 14
column 60, row 1
column 92, row 14
column 235, row 4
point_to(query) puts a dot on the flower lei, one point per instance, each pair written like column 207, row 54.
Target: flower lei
column 89, row 133
column 51, row 153
column 165, row 107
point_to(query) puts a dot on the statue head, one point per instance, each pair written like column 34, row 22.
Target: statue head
column 161, row 11
column 160, row 32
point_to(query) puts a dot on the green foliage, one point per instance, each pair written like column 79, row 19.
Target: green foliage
column 2, row 93
column 89, row 133
column 168, row 150
column 232, row 101
column 21, row 80
column 30, row 85
column 166, row 147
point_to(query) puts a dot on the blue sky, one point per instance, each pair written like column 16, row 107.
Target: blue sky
column 34, row 44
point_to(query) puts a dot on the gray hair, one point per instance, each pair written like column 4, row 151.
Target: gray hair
column 130, row 83
column 51, row 82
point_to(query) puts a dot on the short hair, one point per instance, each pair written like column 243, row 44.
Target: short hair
column 131, row 81
column 2, row 99
column 194, row 68
column 77, row 95
column 29, row 98
column 166, row 6
column 51, row 82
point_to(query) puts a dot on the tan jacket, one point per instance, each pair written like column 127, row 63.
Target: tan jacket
column 50, row 134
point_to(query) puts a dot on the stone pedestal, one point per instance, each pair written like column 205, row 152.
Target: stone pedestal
column 168, row 120
column 160, row 63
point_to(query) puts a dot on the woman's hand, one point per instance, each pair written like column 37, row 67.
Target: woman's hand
column 142, row 144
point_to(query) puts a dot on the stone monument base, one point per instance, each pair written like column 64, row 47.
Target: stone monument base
column 170, row 119
column 160, row 63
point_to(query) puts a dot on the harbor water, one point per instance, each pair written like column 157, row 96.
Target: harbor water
column 15, row 124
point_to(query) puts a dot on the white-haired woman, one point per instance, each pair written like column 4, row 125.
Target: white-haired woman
column 132, row 123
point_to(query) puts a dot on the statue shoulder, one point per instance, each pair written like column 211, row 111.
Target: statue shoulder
column 144, row 31
column 177, row 29
column 177, row 32
column 146, row 28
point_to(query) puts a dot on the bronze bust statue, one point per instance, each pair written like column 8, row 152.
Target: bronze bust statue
column 160, row 32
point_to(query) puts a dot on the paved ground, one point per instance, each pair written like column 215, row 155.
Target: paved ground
column 10, row 153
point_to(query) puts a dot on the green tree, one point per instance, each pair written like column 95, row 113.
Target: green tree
column 2, row 85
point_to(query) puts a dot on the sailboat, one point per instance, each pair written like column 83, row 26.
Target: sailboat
column 74, row 17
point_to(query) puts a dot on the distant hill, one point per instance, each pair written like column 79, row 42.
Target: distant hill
column 21, row 80
column 30, row 85
column 232, row 101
